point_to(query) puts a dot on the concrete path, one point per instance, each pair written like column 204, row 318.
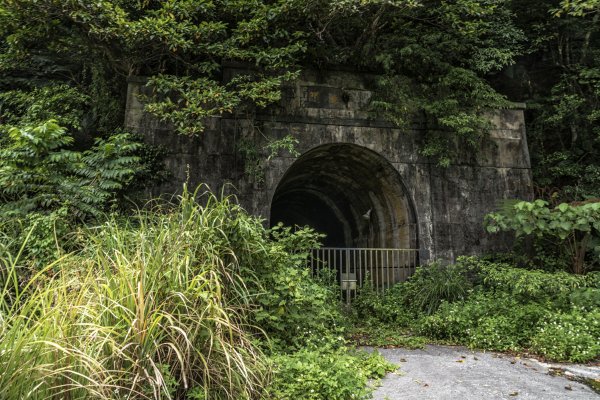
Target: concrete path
column 443, row 372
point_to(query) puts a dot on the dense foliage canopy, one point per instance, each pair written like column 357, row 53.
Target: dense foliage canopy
column 447, row 61
column 558, row 77
column 435, row 55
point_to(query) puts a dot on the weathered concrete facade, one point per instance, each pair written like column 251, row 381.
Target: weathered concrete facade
column 358, row 178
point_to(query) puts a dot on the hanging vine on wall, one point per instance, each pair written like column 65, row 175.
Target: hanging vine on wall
column 186, row 103
column 256, row 158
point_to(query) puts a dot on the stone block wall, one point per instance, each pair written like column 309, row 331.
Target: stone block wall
column 324, row 108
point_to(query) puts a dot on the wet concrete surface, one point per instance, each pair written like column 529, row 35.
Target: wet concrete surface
column 445, row 372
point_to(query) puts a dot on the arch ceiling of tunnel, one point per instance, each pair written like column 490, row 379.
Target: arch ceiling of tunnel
column 332, row 187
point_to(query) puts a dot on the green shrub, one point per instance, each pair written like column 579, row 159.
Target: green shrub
column 528, row 285
column 486, row 305
column 586, row 299
column 435, row 283
column 507, row 330
column 292, row 308
column 287, row 303
column 513, row 309
column 494, row 333
column 452, row 321
column 573, row 336
column 315, row 374
column 48, row 187
column 373, row 308
column 485, row 320
column 421, row 294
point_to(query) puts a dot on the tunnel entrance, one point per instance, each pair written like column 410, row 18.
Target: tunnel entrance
column 357, row 198
column 351, row 194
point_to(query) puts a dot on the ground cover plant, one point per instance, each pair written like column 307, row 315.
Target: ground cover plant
column 489, row 305
column 179, row 301
column 322, row 372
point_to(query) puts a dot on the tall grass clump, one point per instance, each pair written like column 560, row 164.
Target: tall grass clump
column 436, row 283
column 153, row 307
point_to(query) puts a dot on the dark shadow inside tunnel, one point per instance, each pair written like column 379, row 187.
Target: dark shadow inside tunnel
column 350, row 193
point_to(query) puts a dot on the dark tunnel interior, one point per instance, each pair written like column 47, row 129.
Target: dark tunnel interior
column 350, row 193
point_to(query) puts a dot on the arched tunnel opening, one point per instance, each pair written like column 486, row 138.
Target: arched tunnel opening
column 351, row 194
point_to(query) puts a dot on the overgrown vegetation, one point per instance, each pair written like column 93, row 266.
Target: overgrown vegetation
column 323, row 373
column 557, row 76
column 196, row 299
column 494, row 306
column 47, row 188
column 178, row 301
column 445, row 62
column 437, row 66
column 567, row 231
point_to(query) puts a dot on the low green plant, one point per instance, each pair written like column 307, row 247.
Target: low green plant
column 585, row 299
column 572, row 336
column 434, row 283
column 318, row 374
column 293, row 308
column 371, row 307
column 422, row 293
column 385, row 335
column 507, row 330
column 516, row 309
column 504, row 308
column 523, row 284
column 486, row 321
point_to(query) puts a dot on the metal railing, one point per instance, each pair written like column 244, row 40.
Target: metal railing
column 354, row 267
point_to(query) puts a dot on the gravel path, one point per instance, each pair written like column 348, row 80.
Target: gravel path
column 443, row 372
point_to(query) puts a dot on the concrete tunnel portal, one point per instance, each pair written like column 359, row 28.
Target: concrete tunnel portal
column 350, row 193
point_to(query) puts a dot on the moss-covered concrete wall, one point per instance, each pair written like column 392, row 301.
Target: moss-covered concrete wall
column 351, row 162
